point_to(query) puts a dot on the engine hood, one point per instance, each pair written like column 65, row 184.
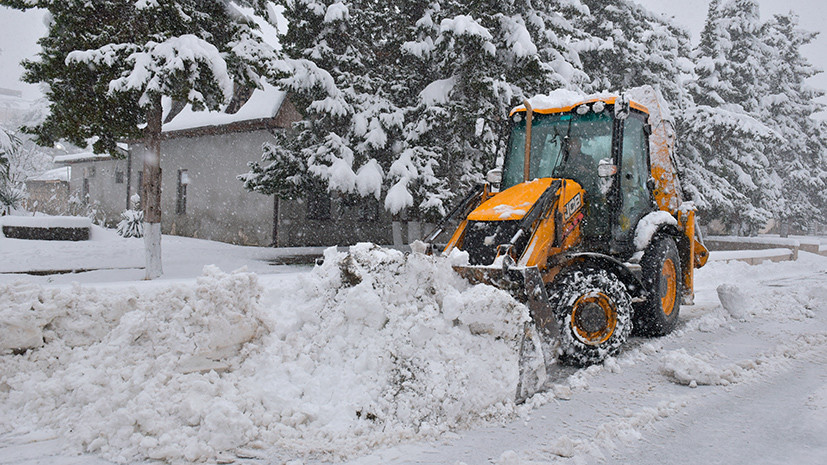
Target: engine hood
column 512, row 203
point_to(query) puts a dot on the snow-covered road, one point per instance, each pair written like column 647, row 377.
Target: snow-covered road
column 747, row 384
column 767, row 403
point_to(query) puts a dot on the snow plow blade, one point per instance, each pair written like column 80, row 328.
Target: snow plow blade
column 540, row 336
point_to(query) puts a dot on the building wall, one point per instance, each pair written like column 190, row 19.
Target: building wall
column 106, row 196
column 217, row 207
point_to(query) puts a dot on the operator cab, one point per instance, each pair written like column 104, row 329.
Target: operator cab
column 601, row 146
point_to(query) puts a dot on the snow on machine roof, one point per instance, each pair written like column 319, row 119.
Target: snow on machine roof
column 563, row 100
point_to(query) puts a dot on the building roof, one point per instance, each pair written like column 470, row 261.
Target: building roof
column 82, row 157
column 263, row 104
column 57, row 174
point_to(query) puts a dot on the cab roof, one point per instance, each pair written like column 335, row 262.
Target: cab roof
column 562, row 100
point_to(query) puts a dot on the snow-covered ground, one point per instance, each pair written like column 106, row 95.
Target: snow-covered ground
column 107, row 257
column 379, row 358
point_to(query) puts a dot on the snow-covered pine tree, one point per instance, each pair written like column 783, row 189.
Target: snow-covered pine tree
column 407, row 99
column 342, row 63
column 107, row 64
column 481, row 59
column 725, row 169
column 788, row 106
column 629, row 46
column 8, row 143
column 731, row 58
column 726, row 149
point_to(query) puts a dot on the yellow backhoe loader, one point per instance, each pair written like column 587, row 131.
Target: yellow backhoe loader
column 585, row 222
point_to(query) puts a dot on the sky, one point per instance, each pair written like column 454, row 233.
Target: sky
column 20, row 31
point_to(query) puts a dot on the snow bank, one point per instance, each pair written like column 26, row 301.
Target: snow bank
column 46, row 221
column 121, row 374
column 371, row 348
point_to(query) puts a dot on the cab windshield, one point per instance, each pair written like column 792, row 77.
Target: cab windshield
column 563, row 145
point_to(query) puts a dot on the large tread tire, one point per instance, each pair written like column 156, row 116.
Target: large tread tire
column 661, row 273
column 594, row 312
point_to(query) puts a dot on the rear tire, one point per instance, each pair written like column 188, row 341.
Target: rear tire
column 661, row 270
column 594, row 312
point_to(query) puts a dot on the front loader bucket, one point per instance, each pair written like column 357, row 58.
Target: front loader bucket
column 540, row 336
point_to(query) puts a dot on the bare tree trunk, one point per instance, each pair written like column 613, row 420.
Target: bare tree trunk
column 152, row 191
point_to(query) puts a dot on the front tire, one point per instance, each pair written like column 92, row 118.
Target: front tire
column 594, row 312
column 661, row 270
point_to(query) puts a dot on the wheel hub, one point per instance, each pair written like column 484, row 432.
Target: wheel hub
column 594, row 318
column 591, row 318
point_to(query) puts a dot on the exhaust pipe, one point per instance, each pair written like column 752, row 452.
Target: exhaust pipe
column 529, row 113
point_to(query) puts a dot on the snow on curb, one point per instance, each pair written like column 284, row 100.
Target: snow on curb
column 371, row 348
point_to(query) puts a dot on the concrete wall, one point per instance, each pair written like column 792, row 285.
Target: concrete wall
column 217, row 205
column 106, row 196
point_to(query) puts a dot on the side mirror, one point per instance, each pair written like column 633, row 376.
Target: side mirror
column 605, row 168
column 494, row 176
column 622, row 107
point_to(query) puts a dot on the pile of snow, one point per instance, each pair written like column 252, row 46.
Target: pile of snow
column 374, row 347
column 371, row 348
column 734, row 300
column 119, row 373
column 693, row 370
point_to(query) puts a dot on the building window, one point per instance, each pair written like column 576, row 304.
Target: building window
column 318, row 205
column 181, row 203
column 119, row 176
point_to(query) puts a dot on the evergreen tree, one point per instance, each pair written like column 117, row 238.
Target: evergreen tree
column 725, row 169
column 340, row 75
column 483, row 59
column 731, row 58
column 107, row 64
column 788, row 105
column 10, row 192
column 727, row 149
column 408, row 99
column 629, row 46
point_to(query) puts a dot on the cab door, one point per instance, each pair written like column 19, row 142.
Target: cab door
column 635, row 197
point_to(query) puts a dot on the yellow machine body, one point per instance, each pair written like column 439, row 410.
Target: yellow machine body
column 513, row 203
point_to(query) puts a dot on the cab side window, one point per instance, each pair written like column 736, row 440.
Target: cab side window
column 634, row 171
